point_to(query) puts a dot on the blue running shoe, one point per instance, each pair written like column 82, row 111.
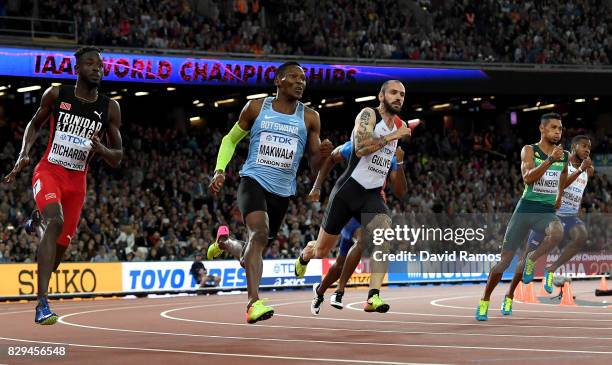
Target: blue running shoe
column 529, row 270
column 548, row 281
column 44, row 315
column 482, row 310
column 506, row 308
column 32, row 222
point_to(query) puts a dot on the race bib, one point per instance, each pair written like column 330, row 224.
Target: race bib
column 69, row 151
column 572, row 196
column 276, row 150
column 548, row 183
column 380, row 162
column 571, row 200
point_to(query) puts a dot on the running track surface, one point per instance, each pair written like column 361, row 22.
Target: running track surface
column 426, row 324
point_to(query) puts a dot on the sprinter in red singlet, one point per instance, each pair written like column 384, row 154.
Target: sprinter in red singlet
column 79, row 120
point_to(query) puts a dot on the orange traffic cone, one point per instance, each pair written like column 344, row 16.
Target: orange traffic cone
column 530, row 294
column 568, row 295
column 603, row 284
column 519, row 292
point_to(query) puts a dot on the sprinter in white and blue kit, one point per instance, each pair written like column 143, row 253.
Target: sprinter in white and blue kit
column 356, row 194
column 281, row 128
column 579, row 170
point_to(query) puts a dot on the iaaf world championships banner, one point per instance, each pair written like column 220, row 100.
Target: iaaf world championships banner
column 205, row 71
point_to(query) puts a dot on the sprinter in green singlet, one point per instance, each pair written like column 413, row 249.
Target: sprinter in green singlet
column 544, row 170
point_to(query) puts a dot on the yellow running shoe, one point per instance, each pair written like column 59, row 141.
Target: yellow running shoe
column 214, row 250
column 258, row 311
column 300, row 269
column 506, row 308
column 482, row 310
column 376, row 304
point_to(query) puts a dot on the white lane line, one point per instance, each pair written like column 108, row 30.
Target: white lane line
column 436, row 303
column 401, row 345
column 479, row 324
column 85, row 305
column 166, row 314
column 352, row 306
column 314, row 359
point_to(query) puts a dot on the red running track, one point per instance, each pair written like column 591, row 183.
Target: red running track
column 426, row 325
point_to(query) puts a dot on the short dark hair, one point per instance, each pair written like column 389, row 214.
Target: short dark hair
column 544, row 119
column 579, row 138
column 283, row 68
column 81, row 51
column 383, row 87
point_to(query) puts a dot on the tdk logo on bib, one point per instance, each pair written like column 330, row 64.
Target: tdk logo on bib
column 279, row 139
column 74, row 139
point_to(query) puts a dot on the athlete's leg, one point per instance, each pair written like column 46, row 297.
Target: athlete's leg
column 554, row 234
column 336, row 216
column 379, row 268
column 518, row 228
column 534, row 240
column 233, row 246
column 496, row 273
column 253, row 205
column 319, row 248
column 46, row 257
column 352, row 229
column 59, row 255
column 549, row 223
column 72, row 206
column 578, row 235
column 258, row 229
column 350, row 264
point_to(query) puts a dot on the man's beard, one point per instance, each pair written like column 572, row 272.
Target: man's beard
column 390, row 108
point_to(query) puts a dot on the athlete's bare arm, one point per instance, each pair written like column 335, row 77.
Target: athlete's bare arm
column 365, row 141
column 114, row 152
column 326, row 167
column 31, row 132
column 586, row 165
column 531, row 173
column 317, row 151
column 397, row 178
column 246, row 119
column 562, row 182
column 249, row 113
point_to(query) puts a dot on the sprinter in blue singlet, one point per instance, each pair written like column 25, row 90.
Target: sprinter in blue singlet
column 281, row 128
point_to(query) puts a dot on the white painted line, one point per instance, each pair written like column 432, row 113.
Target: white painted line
column 509, row 318
column 561, row 310
column 480, row 348
column 165, row 314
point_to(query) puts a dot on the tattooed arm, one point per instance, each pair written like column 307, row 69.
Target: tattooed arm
column 365, row 140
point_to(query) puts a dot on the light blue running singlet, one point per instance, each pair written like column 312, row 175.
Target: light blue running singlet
column 276, row 148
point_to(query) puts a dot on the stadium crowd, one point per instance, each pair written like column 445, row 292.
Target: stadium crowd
column 525, row 31
column 156, row 206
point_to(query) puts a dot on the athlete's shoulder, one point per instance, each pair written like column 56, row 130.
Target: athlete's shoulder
column 368, row 110
column 113, row 105
column 252, row 108
column 52, row 92
column 310, row 112
column 528, row 147
column 527, row 152
column 255, row 103
column 312, row 118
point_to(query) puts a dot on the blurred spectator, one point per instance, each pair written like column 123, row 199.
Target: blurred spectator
column 167, row 213
column 555, row 31
column 200, row 274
